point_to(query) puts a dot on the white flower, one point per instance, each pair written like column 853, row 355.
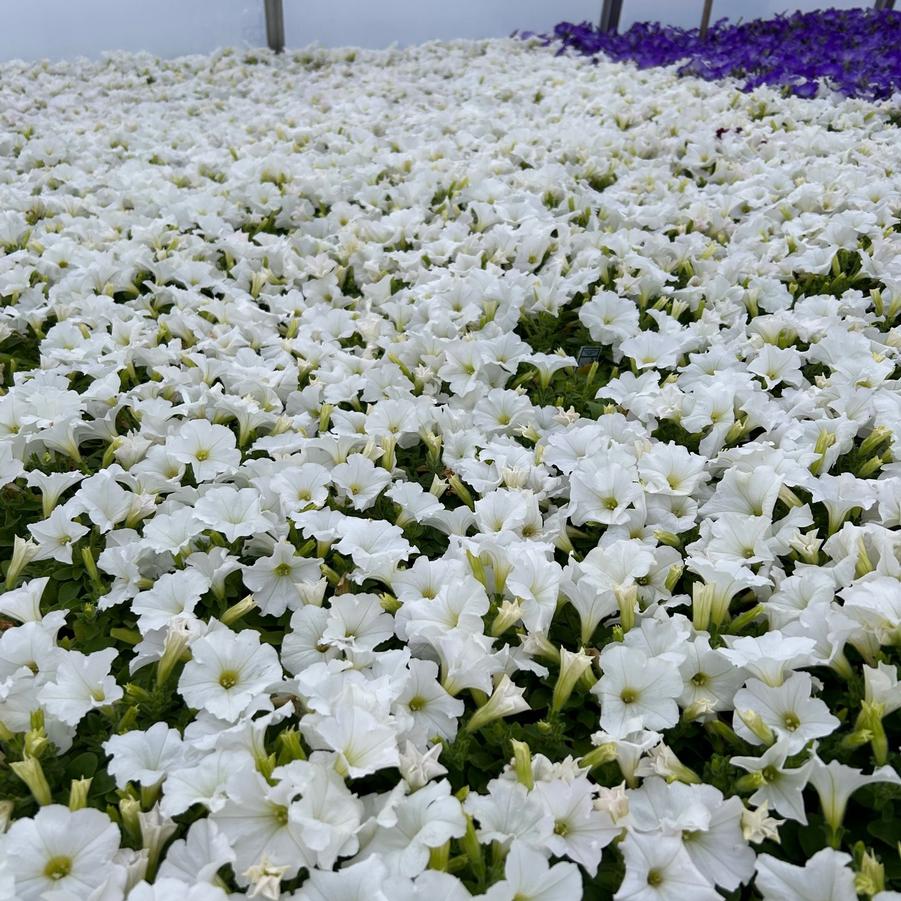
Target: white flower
column 105, row 501
column 360, row 481
column 355, row 882
column 56, row 534
column 528, row 877
column 580, row 831
column 758, row 826
column 425, row 819
column 835, row 783
column 636, row 692
column 276, row 581
column 602, row 493
column 659, row 869
column 144, row 757
column 357, row 622
column 10, row 467
column 173, row 595
column 419, row 768
column 227, row 671
column 209, row 449
column 880, row 683
column 24, row 602
column 265, row 879
column 362, row 743
column 327, row 812
column 775, row 784
column 199, row 856
column 788, row 710
column 81, row 683
column 167, row 889
column 260, row 819
column 825, row 877
column 433, row 711
column 236, row 513
column 59, row 849
column 508, row 812
column 203, row 782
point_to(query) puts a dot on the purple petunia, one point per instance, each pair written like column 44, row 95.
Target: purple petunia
column 856, row 52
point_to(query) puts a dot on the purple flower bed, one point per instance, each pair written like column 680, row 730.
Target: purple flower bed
column 857, row 51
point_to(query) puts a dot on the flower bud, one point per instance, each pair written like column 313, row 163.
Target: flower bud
column 870, row 878
column 31, row 773
column 522, row 763
column 508, row 614
column 754, row 722
column 605, row 753
column 238, row 610
column 129, row 808
column 673, row 575
column 627, row 601
column 461, row 491
column 389, row 603
column 506, row 700
column 878, row 436
column 438, row 487
column 701, row 605
column 78, row 793
column 572, row 667
column 24, row 551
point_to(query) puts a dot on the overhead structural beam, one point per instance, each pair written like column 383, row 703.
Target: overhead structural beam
column 275, row 25
column 885, row 4
column 705, row 18
column 610, row 13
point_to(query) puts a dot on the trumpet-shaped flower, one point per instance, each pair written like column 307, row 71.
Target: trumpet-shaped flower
column 81, row 683
column 60, row 850
column 228, row 671
column 209, row 449
column 529, row 877
column 636, row 692
column 825, row 877
column 788, row 710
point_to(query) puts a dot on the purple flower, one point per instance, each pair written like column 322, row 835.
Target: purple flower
column 856, row 51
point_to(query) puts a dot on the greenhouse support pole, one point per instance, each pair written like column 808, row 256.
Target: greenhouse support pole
column 610, row 15
column 705, row 18
column 275, row 25
column 885, row 4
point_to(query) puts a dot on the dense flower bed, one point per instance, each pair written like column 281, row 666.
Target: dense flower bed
column 452, row 472
column 854, row 51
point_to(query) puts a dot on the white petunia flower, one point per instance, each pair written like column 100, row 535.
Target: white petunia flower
column 209, row 449
column 529, row 877
column 56, row 534
column 144, row 757
column 236, row 513
column 825, row 877
column 228, row 671
column 659, row 869
column 59, row 849
column 425, row 819
column 636, row 692
column 81, row 683
column 788, row 710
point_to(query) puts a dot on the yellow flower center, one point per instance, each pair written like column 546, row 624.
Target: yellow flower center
column 58, row 868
